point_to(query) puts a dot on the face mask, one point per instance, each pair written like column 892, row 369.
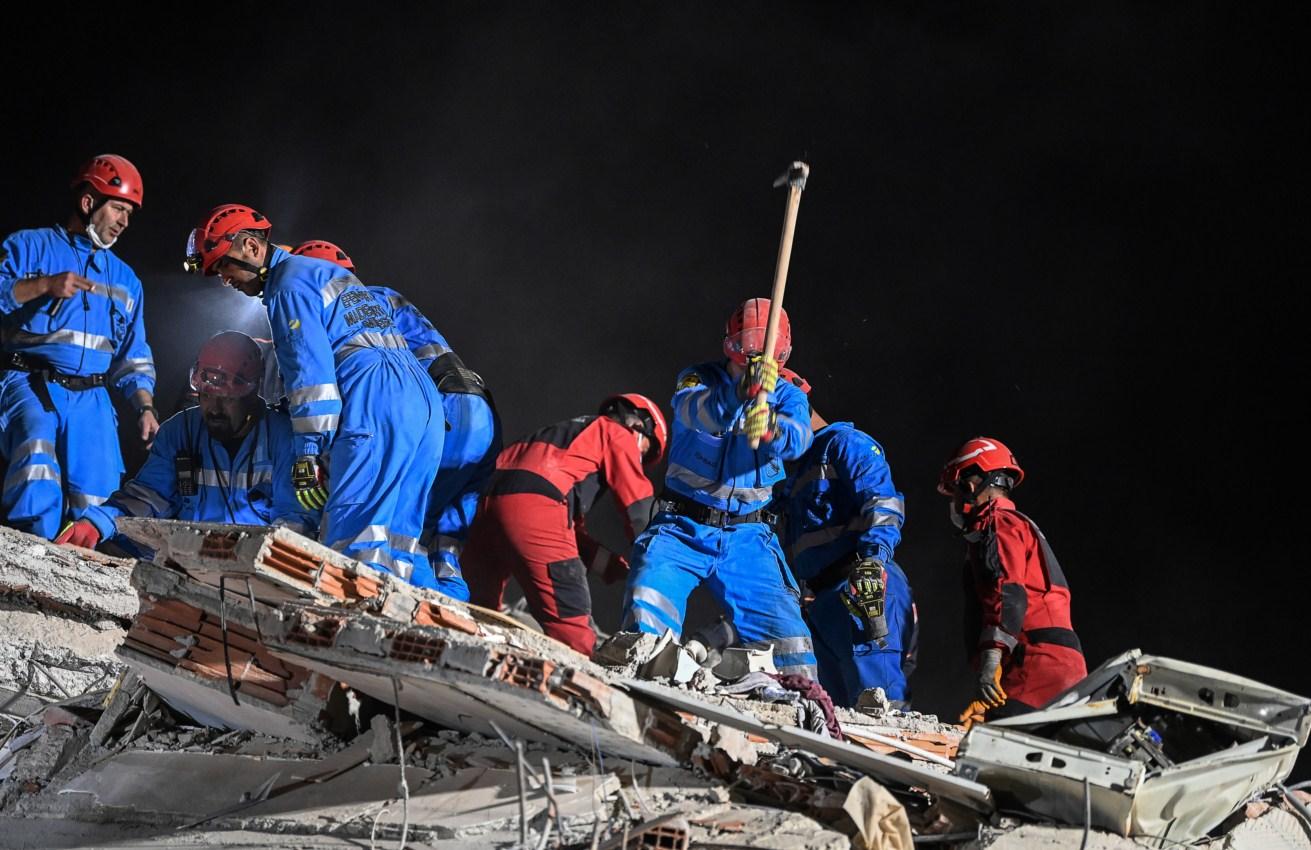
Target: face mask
column 96, row 240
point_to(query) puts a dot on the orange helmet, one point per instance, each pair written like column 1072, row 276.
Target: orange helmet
column 229, row 364
column 744, row 333
column 654, row 421
column 111, row 176
column 983, row 454
column 209, row 242
column 321, row 250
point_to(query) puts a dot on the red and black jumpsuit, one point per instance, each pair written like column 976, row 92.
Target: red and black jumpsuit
column 1021, row 603
column 528, row 520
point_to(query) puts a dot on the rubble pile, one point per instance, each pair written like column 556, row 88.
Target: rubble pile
column 251, row 686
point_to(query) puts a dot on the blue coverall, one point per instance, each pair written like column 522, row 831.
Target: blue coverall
column 359, row 398
column 250, row 487
column 712, row 465
column 473, row 440
column 840, row 506
column 62, row 449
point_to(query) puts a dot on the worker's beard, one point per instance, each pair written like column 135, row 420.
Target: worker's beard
column 220, row 427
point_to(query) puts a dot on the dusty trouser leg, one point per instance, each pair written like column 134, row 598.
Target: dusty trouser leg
column 670, row 559
column 381, row 468
column 529, row 536
column 754, row 584
column 473, row 440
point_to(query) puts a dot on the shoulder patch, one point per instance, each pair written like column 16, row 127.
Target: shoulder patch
column 691, row 379
column 294, row 324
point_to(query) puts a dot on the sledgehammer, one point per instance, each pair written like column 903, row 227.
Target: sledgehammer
column 795, row 179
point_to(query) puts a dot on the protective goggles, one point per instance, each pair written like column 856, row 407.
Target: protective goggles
column 217, row 382
column 198, row 247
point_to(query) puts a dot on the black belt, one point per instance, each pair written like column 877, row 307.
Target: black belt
column 512, row 482
column 707, row 515
column 41, row 373
column 1055, row 636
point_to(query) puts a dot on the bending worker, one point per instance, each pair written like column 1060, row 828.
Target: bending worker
column 843, row 518
column 473, row 434
column 367, row 422
column 531, row 519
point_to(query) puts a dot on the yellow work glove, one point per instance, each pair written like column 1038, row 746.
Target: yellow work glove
column 760, row 423
column 310, row 483
column 761, row 374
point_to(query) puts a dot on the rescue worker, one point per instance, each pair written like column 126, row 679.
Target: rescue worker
column 842, row 523
column 531, row 520
column 71, row 325
column 473, row 434
column 227, row 460
column 1026, row 651
column 367, row 422
column 712, row 527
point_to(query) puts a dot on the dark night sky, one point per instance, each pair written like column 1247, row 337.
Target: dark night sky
column 1072, row 229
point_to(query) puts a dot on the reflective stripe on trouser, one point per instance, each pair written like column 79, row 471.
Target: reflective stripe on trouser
column 741, row 565
column 73, row 449
column 382, row 464
column 849, row 662
column 473, row 440
column 530, row 537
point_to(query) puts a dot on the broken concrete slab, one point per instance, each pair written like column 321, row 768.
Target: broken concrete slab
column 276, row 565
column 1155, row 747
column 199, row 648
column 62, row 613
column 73, row 582
column 1274, row 829
column 464, row 681
column 886, row 769
column 172, row 788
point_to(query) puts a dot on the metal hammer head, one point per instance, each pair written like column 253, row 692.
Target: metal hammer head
column 795, row 176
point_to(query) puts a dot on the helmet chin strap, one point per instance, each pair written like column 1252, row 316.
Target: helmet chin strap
column 96, row 238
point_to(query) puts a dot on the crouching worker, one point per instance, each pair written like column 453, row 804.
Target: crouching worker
column 529, row 523
column 228, row 460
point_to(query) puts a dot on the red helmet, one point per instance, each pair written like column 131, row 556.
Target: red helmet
column 320, row 250
column 209, row 242
column 982, row 453
column 744, row 334
column 112, row 176
column 657, row 429
column 229, row 364
column 795, row 380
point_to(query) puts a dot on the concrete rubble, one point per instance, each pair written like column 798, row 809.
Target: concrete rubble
column 249, row 687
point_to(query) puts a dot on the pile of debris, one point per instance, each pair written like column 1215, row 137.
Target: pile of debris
column 250, row 684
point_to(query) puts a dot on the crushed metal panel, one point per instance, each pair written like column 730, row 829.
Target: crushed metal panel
column 1180, row 750
column 886, row 768
column 463, row 681
column 1184, row 687
column 1047, row 778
